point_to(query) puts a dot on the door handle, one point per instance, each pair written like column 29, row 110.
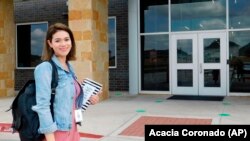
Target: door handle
column 200, row 68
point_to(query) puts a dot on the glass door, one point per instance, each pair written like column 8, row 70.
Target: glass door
column 199, row 64
column 212, row 64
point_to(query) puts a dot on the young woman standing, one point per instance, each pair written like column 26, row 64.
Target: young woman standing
column 59, row 47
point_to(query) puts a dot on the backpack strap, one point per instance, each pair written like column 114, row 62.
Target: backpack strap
column 54, row 83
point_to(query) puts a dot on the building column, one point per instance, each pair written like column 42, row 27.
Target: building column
column 7, row 48
column 133, row 47
column 88, row 19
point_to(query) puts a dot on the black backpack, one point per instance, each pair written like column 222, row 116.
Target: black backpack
column 25, row 120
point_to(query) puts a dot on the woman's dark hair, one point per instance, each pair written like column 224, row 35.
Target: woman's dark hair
column 48, row 51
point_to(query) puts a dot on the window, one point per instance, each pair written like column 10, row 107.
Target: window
column 155, row 62
column 239, row 14
column 154, row 16
column 112, row 41
column 30, row 42
column 193, row 15
column 239, row 70
column 154, row 45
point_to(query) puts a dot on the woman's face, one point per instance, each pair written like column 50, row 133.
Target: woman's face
column 61, row 43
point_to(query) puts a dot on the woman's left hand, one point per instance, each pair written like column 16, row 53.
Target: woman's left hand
column 94, row 99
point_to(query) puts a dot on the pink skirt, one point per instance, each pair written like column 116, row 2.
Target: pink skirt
column 72, row 135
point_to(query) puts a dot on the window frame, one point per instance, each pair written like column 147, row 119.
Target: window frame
column 28, row 23
column 115, row 42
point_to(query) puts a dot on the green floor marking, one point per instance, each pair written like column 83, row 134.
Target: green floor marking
column 224, row 114
column 140, row 111
column 158, row 100
column 118, row 94
column 226, row 103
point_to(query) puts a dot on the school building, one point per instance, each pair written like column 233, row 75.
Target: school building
column 172, row 47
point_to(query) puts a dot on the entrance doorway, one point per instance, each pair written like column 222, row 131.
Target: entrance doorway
column 199, row 64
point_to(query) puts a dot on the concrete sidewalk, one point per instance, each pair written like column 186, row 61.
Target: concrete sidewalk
column 110, row 117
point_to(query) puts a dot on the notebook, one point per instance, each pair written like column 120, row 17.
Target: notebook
column 90, row 87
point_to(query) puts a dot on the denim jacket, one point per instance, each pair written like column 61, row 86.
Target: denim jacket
column 64, row 97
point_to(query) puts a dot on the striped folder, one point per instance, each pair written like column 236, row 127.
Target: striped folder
column 90, row 87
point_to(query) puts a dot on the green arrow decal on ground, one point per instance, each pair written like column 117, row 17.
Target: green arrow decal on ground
column 118, row 94
column 140, row 111
column 158, row 100
column 226, row 103
column 224, row 114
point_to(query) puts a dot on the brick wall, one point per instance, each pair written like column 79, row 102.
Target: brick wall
column 41, row 10
column 118, row 77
